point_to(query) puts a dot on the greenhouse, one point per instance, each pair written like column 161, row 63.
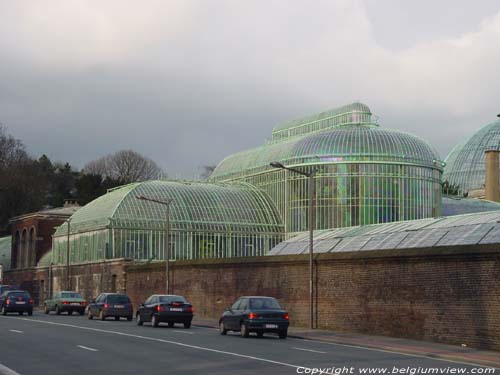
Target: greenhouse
column 206, row 221
column 465, row 164
column 364, row 174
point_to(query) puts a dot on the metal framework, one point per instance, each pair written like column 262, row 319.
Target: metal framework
column 206, row 221
column 465, row 164
column 364, row 174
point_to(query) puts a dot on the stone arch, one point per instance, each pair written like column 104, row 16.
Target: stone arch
column 24, row 249
column 32, row 247
column 16, row 255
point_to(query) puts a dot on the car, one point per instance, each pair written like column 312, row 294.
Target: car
column 18, row 301
column 111, row 304
column 5, row 287
column 257, row 314
column 162, row 308
column 65, row 301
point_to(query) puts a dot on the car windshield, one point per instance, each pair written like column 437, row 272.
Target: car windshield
column 118, row 298
column 264, row 304
column 71, row 295
column 170, row 299
column 19, row 295
column 3, row 288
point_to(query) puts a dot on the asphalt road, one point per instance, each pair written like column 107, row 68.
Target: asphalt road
column 52, row 344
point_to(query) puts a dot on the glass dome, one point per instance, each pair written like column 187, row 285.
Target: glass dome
column 465, row 164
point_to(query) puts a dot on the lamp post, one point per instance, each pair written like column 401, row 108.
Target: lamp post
column 167, row 237
column 67, row 254
column 310, row 176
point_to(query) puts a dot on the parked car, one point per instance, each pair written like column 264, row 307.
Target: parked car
column 255, row 314
column 18, row 301
column 4, row 287
column 65, row 301
column 168, row 309
column 111, row 304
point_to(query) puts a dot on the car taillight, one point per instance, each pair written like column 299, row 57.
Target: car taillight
column 65, row 302
column 31, row 301
column 83, row 303
column 189, row 309
column 286, row 316
column 106, row 305
column 160, row 308
column 252, row 316
column 7, row 302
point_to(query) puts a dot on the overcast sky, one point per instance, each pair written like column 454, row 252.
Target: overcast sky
column 189, row 82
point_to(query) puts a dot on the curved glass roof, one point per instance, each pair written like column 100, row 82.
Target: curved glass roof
column 465, row 164
column 355, row 142
column 195, row 206
column 457, row 206
column 471, row 229
column 5, row 249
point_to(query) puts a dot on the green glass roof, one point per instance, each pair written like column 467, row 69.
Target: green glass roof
column 195, row 206
column 5, row 249
column 353, row 143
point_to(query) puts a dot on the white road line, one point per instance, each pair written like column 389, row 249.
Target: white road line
column 164, row 341
column 391, row 352
column 309, row 350
column 87, row 348
column 186, row 332
column 15, row 330
column 4, row 370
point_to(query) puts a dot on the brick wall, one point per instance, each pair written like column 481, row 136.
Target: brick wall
column 450, row 296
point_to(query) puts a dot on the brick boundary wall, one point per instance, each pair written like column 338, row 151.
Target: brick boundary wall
column 449, row 295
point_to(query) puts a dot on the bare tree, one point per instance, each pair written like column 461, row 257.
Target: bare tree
column 207, row 171
column 126, row 166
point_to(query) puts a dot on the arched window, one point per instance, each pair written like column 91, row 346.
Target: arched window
column 32, row 248
column 16, row 258
column 23, row 262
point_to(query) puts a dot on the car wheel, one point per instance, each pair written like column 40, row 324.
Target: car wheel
column 187, row 325
column 81, row 312
column 58, row 310
column 222, row 328
column 70, row 312
column 129, row 318
column 260, row 334
column 46, row 309
column 89, row 315
column 154, row 321
column 170, row 324
column 101, row 315
column 139, row 320
column 283, row 334
column 20, row 313
column 4, row 310
column 117, row 318
column 244, row 330
column 30, row 313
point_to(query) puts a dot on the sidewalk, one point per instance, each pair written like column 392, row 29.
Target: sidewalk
column 404, row 346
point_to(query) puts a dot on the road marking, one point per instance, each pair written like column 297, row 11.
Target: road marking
column 15, row 330
column 87, row 348
column 389, row 351
column 188, row 333
column 164, row 341
column 309, row 350
column 7, row 371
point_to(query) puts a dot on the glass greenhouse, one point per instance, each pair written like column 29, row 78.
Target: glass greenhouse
column 206, row 221
column 364, row 174
column 465, row 164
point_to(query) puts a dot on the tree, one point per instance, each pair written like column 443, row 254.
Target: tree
column 126, row 166
column 207, row 171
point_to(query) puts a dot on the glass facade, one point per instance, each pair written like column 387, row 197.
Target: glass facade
column 465, row 164
column 206, row 221
column 363, row 174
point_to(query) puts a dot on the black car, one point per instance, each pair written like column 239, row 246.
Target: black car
column 111, row 304
column 165, row 309
column 255, row 314
column 18, row 301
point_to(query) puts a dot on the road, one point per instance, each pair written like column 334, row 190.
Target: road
column 61, row 344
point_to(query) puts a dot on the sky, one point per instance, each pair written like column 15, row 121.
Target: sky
column 188, row 82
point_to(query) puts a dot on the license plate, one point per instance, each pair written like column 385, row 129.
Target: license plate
column 119, row 306
column 270, row 326
column 175, row 309
column 20, row 303
column 75, row 304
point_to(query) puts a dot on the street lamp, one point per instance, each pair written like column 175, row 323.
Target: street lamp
column 67, row 254
column 167, row 236
column 310, row 176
